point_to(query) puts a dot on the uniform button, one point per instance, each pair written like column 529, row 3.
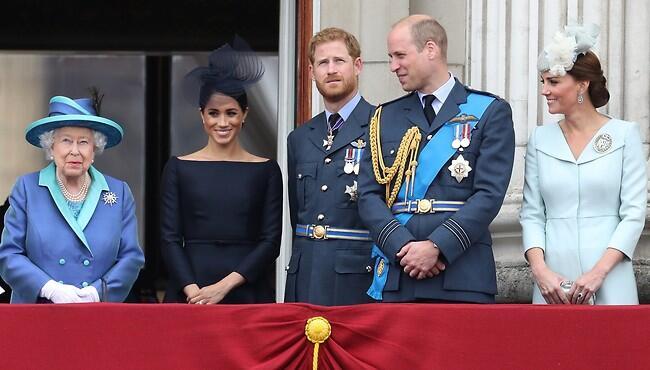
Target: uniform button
column 368, row 268
column 60, row 281
column 62, row 261
column 86, row 262
column 392, row 151
column 286, row 268
column 328, row 160
column 84, row 284
column 323, row 188
column 429, row 137
column 320, row 217
column 300, row 175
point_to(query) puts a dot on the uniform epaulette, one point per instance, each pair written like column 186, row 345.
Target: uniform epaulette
column 395, row 100
column 483, row 92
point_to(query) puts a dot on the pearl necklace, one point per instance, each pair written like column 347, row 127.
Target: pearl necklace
column 81, row 195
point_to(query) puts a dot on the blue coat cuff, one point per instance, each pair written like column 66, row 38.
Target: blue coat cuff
column 451, row 239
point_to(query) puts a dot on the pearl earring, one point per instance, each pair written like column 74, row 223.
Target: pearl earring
column 581, row 98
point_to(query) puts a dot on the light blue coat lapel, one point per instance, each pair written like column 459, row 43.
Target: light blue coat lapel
column 47, row 178
column 615, row 131
column 551, row 141
column 98, row 185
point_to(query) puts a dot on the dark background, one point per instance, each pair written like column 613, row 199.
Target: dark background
column 137, row 25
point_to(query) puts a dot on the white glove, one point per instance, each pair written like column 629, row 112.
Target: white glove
column 89, row 294
column 61, row 293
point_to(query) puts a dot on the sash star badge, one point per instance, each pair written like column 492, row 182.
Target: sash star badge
column 352, row 192
column 109, row 198
column 459, row 168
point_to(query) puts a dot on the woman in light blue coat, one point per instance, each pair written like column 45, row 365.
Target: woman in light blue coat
column 70, row 233
column 585, row 184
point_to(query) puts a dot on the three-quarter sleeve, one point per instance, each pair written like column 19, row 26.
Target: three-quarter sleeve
column 533, row 210
column 268, row 246
column 177, row 262
column 634, row 183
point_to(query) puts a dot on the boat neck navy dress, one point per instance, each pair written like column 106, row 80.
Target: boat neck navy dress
column 219, row 217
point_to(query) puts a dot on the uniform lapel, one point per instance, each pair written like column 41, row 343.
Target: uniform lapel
column 47, row 178
column 318, row 131
column 415, row 112
column 449, row 109
column 352, row 128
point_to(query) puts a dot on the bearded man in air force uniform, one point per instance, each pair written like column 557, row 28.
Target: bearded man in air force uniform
column 330, row 262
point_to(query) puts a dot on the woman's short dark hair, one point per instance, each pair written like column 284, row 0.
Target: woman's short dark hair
column 207, row 90
column 587, row 68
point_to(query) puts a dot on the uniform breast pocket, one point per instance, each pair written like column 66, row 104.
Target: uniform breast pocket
column 305, row 181
column 459, row 170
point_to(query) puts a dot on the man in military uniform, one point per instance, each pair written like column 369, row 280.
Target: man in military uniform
column 330, row 262
column 436, row 175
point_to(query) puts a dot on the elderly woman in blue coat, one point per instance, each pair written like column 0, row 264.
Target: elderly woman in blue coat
column 585, row 184
column 70, row 234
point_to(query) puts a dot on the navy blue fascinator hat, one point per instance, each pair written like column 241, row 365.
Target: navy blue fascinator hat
column 65, row 112
column 231, row 68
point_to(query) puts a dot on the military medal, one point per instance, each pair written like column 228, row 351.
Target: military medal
column 456, row 143
column 327, row 143
column 357, row 159
column 602, row 143
column 353, row 157
column 463, row 131
column 352, row 191
column 467, row 132
column 459, row 168
column 349, row 161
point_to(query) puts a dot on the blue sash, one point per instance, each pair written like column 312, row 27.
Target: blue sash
column 432, row 158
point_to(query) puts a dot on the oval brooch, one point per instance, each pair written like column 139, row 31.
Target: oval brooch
column 602, row 143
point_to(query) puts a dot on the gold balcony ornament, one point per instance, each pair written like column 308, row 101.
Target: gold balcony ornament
column 317, row 330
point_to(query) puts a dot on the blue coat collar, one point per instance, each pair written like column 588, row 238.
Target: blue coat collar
column 552, row 142
column 47, row 178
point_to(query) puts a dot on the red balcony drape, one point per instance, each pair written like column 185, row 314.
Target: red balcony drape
column 374, row 336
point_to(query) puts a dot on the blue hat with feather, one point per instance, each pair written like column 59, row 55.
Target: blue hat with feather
column 65, row 112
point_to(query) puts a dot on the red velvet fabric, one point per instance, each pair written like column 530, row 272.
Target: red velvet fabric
column 373, row 336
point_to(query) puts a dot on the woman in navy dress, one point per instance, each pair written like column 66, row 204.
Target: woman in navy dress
column 221, row 205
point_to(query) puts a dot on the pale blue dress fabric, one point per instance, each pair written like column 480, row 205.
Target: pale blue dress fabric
column 575, row 209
